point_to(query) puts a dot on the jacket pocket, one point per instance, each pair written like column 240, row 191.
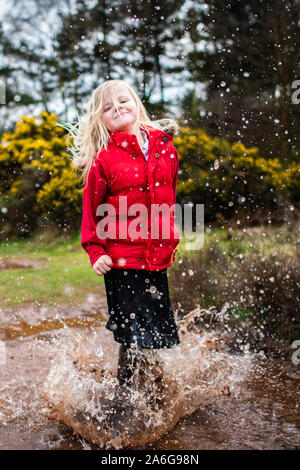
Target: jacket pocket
column 161, row 253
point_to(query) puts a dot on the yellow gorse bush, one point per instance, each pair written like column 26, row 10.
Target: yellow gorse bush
column 215, row 169
column 34, row 164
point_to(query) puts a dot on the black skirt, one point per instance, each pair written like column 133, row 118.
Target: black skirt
column 140, row 311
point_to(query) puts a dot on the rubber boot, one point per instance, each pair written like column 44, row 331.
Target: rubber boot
column 127, row 363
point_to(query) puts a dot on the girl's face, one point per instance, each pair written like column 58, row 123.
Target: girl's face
column 127, row 109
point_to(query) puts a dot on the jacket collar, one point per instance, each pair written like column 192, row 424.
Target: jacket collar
column 129, row 142
column 124, row 138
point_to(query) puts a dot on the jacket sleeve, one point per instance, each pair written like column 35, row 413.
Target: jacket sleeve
column 94, row 192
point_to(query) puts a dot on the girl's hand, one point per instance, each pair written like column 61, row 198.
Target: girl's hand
column 103, row 265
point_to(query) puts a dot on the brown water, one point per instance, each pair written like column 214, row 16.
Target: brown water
column 213, row 399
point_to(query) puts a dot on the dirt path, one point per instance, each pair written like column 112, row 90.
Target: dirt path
column 33, row 318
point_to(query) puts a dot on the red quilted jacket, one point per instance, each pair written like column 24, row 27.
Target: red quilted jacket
column 122, row 170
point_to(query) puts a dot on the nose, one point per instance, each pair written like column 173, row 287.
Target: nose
column 118, row 106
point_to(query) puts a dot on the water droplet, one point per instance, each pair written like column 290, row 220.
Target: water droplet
column 216, row 164
column 69, row 290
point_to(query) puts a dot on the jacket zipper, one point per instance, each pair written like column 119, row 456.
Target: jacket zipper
column 147, row 198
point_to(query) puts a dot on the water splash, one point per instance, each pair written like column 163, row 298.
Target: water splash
column 167, row 385
column 222, row 400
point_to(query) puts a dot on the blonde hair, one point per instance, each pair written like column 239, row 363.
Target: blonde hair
column 91, row 135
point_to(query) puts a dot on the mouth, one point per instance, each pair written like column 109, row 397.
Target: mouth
column 124, row 112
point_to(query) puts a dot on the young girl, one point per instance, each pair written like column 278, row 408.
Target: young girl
column 129, row 159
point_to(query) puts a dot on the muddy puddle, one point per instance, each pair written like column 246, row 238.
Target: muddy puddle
column 213, row 399
column 11, row 263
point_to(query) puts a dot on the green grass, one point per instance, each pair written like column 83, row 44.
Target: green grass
column 264, row 239
column 66, row 275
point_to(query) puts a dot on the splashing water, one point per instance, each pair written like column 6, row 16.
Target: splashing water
column 59, row 390
column 87, row 397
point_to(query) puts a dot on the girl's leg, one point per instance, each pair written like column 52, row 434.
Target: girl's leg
column 128, row 359
column 152, row 386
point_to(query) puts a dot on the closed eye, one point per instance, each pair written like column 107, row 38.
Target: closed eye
column 108, row 107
